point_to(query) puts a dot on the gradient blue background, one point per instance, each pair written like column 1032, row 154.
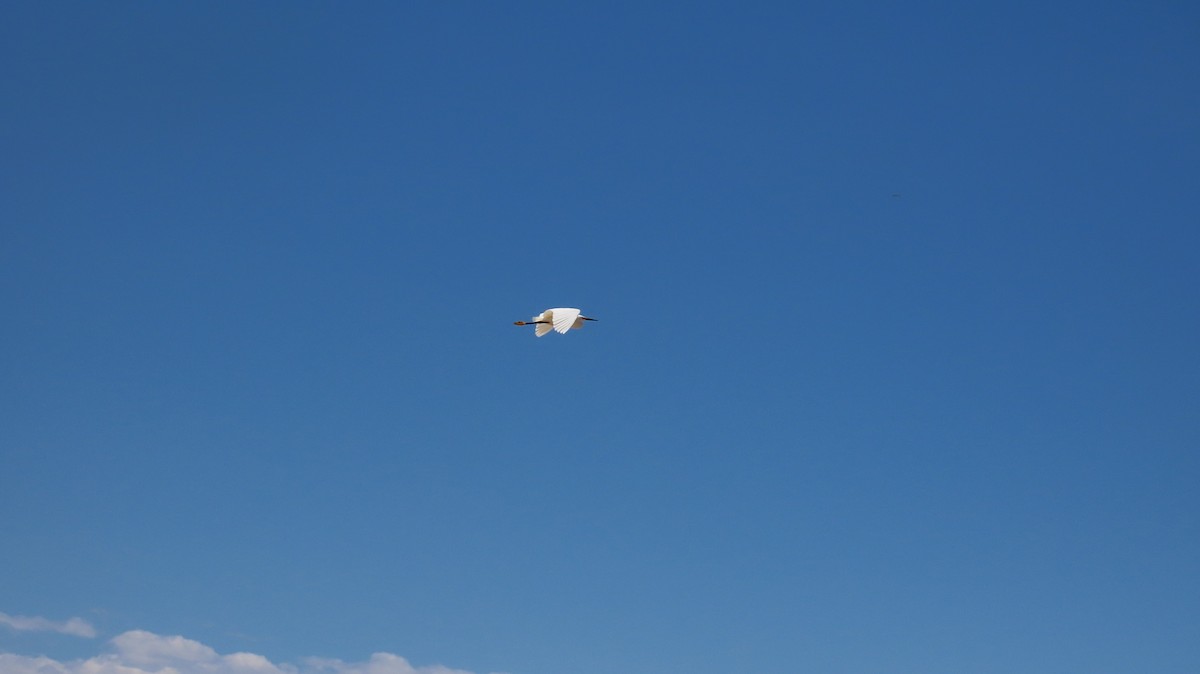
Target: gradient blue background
column 260, row 386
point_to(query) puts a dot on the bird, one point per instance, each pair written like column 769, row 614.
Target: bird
column 560, row 320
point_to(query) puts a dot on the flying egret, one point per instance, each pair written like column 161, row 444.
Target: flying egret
column 560, row 320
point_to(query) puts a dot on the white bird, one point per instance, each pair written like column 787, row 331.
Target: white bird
column 560, row 320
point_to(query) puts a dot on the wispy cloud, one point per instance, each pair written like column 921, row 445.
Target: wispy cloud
column 380, row 663
column 75, row 626
column 141, row 652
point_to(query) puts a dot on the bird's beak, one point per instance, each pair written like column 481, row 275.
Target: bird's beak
column 588, row 319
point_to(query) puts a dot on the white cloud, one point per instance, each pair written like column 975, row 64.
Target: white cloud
column 380, row 663
column 19, row 664
column 141, row 652
column 75, row 626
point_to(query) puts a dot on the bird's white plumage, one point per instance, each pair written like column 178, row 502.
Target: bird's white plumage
column 564, row 319
column 542, row 328
column 560, row 320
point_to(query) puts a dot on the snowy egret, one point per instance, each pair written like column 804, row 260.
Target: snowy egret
column 560, row 320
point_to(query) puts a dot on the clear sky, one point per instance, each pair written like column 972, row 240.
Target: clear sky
column 897, row 366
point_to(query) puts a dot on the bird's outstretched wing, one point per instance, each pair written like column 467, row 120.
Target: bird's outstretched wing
column 543, row 326
column 564, row 319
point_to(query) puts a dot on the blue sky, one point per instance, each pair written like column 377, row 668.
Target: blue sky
column 896, row 367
